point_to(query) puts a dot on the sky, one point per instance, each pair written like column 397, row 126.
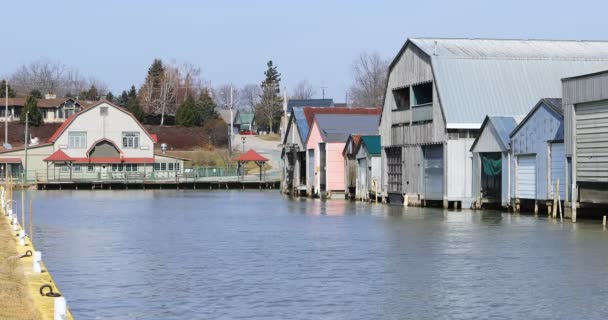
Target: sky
column 231, row 41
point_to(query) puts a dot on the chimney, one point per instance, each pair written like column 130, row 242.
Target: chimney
column 50, row 96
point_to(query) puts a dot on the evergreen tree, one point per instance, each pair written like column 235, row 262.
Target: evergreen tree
column 35, row 115
column 206, row 106
column 122, row 99
column 132, row 104
column 11, row 92
column 36, row 94
column 110, row 96
column 92, row 94
column 187, row 113
column 268, row 111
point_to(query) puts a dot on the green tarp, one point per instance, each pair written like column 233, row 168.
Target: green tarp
column 491, row 165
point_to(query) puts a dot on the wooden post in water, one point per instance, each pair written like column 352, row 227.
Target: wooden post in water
column 31, row 225
column 555, row 195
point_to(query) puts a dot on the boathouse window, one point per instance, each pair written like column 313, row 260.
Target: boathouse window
column 393, row 159
column 130, row 139
column 422, row 94
column 77, row 139
column 90, row 168
column 402, row 98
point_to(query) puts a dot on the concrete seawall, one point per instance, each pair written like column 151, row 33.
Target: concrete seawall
column 44, row 304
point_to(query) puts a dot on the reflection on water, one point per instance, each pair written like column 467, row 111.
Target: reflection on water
column 227, row 255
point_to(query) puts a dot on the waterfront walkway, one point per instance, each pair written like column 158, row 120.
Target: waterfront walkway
column 20, row 285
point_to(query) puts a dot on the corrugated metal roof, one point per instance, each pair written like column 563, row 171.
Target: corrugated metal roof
column 503, row 127
column 245, row 117
column 476, row 77
column 300, row 120
column 291, row 103
column 337, row 127
column 372, row 144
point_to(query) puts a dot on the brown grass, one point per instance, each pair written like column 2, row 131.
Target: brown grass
column 270, row 137
column 15, row 301
column 205, row 157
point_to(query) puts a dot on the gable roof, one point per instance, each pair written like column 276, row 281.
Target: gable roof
column 251, row 155
column 71, row 119
column 311, row 112
column 337, row 127
column 475, row 77
column 503, row 125
column 320, row 103
column 225, row 115
column 42, row 103
column 372, row 144
column 553, row 104
column 353, row 139
column 59, row 156
column 245, row 118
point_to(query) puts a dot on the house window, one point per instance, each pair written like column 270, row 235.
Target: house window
column 156, row 166
column 77, row 168
column 130, row 140
column 163, row 166
column 77, row 139
column 45, row 113
column 117, row 167
column 393, row 159
column 103, row 111
column 90, row 168
column 422, row 94
column 170, row 166
column 177, row 166
column 131, row 167
column 402, row 98
column 64, row 168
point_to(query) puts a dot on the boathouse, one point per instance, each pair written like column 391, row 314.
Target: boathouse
column 369, row 171
column 350, row 165
column 439, row 91
column 103, row 142
column 537, row 145
column 585, row 104
column 491, row 162
column 325, row 144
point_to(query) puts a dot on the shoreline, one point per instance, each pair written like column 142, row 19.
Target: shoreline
column 43, row 304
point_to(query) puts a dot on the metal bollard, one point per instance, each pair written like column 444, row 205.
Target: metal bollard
column 37, row 262
column 22, row 238
column 60, row 311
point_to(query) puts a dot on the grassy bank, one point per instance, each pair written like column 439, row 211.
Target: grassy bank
column 218, row 157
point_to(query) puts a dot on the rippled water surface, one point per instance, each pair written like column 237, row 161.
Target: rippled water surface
column 257, row 255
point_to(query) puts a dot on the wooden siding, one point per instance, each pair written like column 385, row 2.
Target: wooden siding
column 488, row 140
column 459, row 169
column 335, row 166
column 534, row 137
column 591, row 143
column 580, row 90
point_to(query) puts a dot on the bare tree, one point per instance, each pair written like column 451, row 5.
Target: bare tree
column 303, row 90
column 369, row 80
column 167, row 93
column 102, row 87
column 190, row 82
column 249, row 96
column 221, row 96
column 42, row 74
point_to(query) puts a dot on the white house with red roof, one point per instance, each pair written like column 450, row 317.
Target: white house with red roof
column 101, row 142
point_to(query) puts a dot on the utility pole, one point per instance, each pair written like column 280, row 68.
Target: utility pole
column 6, row 112
column 230, row 130
column 27, row 114
column 323, row 87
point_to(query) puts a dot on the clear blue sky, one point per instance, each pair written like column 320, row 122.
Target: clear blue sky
column 313, row 40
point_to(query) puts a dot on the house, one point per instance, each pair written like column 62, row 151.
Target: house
column 491, row 162
column 99, row 143
column 245, row 121
column 537, row 146
column 369, row 167
column 440, row 90
column 350, row 165
column 585, row 105
column 228, row 116
column 53, row 109
column 294, row 143
column 325, row 144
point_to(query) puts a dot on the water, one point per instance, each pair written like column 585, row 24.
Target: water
column 257, row 255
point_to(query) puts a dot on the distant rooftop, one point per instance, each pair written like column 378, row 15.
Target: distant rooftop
column 337, row 127
column 309, row 103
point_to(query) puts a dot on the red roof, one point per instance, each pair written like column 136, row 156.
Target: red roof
column 71, row 118
column 310, row 112
column 154, row 137
column 251, row 156
column 10, row 160
column 59, row 156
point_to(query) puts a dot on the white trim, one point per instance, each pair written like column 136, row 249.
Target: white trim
column 463, row 126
